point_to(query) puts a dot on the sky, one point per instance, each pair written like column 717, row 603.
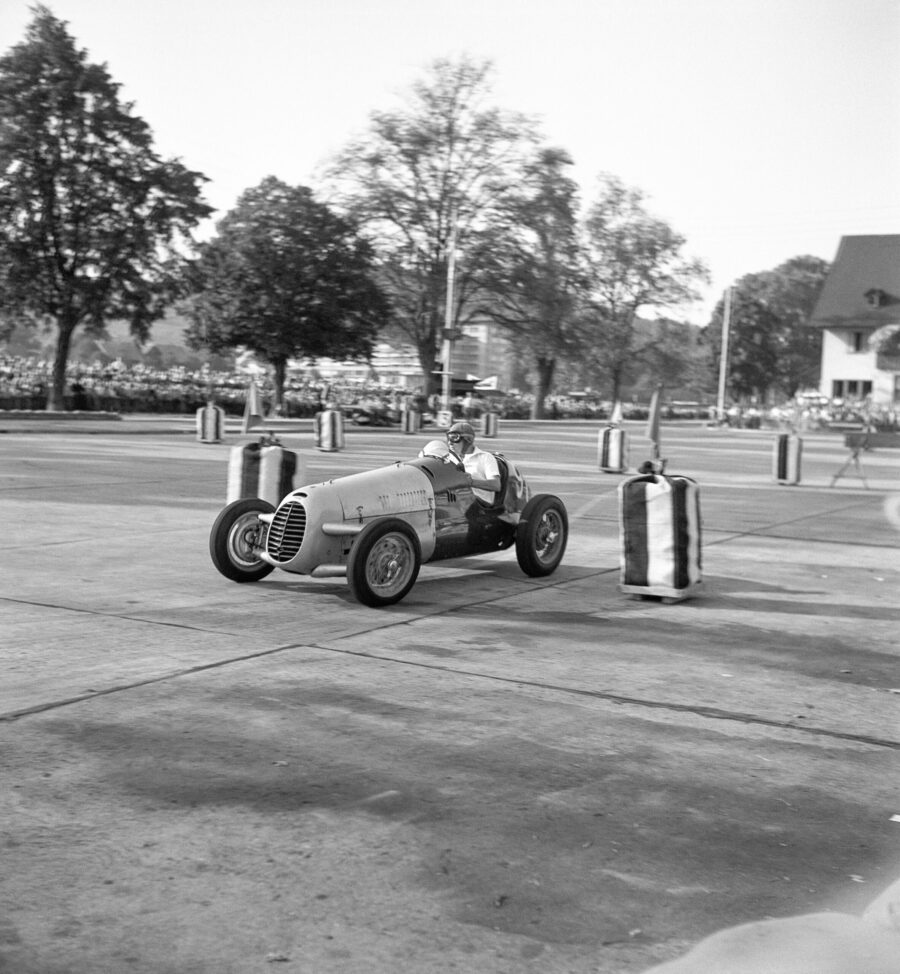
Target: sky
column 760, row 130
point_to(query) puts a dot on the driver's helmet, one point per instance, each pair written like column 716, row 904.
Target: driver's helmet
column 435, row 448
column 461, row 431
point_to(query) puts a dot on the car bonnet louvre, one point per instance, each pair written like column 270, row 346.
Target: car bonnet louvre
column 286, row 531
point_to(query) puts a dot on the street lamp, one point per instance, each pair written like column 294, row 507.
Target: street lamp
column 723, row 359
column 447, row 349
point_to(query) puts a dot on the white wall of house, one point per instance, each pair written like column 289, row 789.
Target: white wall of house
column 849, row 369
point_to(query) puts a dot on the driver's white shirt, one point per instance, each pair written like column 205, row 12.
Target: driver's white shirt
column 482, row 466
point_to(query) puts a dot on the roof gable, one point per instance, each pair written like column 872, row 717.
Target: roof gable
column 862, row 288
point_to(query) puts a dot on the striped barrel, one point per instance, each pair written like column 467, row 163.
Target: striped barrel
column 329, row 430
column 490, row 423
column 786, row 458
column 260, row 470
column 210, row 423
column 659, row 531
column 411, row 421
column 612, row 450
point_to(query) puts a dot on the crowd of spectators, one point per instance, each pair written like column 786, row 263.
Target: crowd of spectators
column 140, row 388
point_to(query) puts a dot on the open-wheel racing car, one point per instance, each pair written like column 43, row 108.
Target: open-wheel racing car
column 378, row 527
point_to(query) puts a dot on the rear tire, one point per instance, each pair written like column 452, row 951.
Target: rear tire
column 541, row 535
column 384, row 562
column 236, row 538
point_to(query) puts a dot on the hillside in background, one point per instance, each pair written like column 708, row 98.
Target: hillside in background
column 165, row 348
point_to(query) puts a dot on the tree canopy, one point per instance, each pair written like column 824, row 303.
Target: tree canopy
column 286, row 277
column 771, row 347
column 94, row 225
column 634, row 264
column 531, row 279
column 434, row 171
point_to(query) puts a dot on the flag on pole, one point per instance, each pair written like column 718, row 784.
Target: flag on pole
column 615, row 418
column 253, row 410
column 653, row 420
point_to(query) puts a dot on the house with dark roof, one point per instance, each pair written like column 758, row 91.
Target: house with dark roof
column 859, row 312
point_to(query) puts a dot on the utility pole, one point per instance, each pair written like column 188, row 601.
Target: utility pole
column 723, row 360
column 447, row 349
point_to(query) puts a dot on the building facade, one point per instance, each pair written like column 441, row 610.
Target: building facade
column 859, row 312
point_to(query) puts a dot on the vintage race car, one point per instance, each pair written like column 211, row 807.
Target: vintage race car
column 378, row 527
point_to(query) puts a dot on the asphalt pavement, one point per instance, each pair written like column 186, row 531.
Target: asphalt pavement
column 498, row 774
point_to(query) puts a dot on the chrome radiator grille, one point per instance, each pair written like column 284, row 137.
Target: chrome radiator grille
column 286, row 531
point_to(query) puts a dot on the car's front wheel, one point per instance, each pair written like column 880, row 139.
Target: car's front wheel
column 237, row 537
column 541, row 535
column 384, row 562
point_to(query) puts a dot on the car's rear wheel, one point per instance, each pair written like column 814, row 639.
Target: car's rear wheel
column 237, row 537
column 541, row 535
column 384, row 562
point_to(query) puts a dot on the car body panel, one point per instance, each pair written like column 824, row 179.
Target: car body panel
column 313, row 528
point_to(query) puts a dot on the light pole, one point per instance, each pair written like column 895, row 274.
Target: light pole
column 447, row 348
column 723, row 360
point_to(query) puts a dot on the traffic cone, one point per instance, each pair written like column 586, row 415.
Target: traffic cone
column 616, row 418
column 253, row 410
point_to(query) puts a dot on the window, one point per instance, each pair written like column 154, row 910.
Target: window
column 851, row 388
column 858, row 341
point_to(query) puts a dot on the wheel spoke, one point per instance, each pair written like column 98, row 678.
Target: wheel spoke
column 389, row 564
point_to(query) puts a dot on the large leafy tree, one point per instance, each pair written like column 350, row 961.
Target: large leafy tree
column 94, row 225
column 635, row 263
column 674, row 356
column 531, row 277
column 421, row 176
column 286, row 277
column 772, row 349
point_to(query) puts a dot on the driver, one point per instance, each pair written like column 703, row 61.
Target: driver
column 437, row 449
column 482, row 469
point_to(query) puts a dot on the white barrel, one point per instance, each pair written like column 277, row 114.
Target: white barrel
column 277, row 467
column 329, row 430
column 411, row 421
column 210, row 423
column 243, row 472
column 490, row 424
column 659, row 531
column 786, row 457
column 261, row 470
column 612, row 450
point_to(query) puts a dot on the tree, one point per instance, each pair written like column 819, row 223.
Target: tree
column 94, row 225
column 530, row 275
column 675, row 357
column 285, row 277
column 420, row 177
column 772, row 349
column 634, row 262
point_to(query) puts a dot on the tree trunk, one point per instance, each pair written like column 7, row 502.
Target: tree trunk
column 616, row 376
column 545, row 370
column 56, row 394
column 280, row 368
column 430, row 365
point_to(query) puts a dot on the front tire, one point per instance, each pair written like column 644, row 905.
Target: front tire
column 384, row 562
column 236, row 538
column 541, row 535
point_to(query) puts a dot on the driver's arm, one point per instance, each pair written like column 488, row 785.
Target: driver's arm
column 486, row 473
column 492, row 483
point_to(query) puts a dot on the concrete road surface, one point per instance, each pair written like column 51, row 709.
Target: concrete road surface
column 498, row 774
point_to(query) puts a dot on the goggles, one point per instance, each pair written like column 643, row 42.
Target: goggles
column 454, row 437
